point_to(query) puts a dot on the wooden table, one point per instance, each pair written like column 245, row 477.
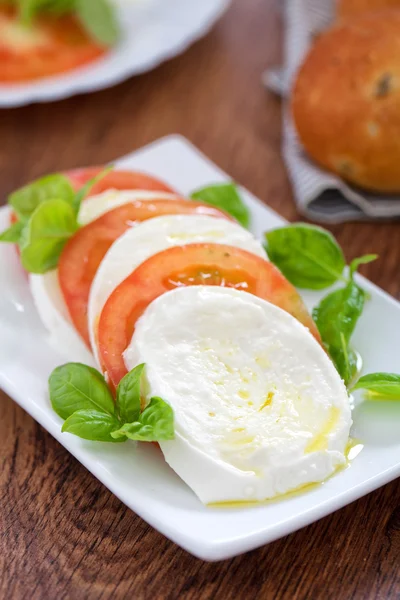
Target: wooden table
column 62, row 534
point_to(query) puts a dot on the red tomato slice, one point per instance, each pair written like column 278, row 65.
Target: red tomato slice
column 118, row 180
column 50, row 46
column 84, row 252
column 194, row 264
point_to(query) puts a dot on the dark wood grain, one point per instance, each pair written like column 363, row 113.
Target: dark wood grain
column 62, row 534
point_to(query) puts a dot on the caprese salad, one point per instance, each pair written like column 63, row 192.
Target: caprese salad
column 185, row 330
column 39, row 38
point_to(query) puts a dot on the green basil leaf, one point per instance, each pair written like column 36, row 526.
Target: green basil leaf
column 336, row 317
column 382, row 384
column 345, row 360
column 92, row 425
column 307, row 255
column 226, row 197
column 99, row 19
column 362, row 260
column 85, row 189
column 128, row 395
column 156, row 423
column 75, row 386
column 27, row 9
column 49, row 228
column 12, row 235
column 25, row 200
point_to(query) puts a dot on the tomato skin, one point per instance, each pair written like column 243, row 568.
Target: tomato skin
column 51, row 46
column 86, row 249
column 194, row 264
column 115, row 179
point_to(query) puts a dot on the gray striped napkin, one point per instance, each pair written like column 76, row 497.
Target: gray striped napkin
column 319, row 195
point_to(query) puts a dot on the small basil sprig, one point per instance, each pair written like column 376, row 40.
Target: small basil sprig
column 47, row 212
column 98, row 17
column 309, row 256
column 80, row 395
column 226, row 197
column 336, row 317
column 45, row 235
column 12, row 235
column 380, row 385
column 25, row 200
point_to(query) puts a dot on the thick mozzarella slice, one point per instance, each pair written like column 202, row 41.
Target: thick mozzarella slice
column 45, row 288
column 93, row 207
column 259, row 408
column 153, row 236
column 53, row 312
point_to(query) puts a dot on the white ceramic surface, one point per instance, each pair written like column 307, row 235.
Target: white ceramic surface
column 153, row 31
column 137, row 474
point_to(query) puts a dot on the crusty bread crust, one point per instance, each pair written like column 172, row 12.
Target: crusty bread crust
column 346, row 101
column 354, row 8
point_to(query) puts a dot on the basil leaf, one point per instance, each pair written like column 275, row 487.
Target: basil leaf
column 128, row 395
column 25, row 200
column 99, row 19
column 85, row 189
column 156, row 423
column 307, row 255
column 13, row 233
column 49, row 228
column 27, row 9
column 75, row 386
column 226, row 197
column 336, row 317
column 345, row 360
column 382, row 384
column 92, row 425
column 362, row 260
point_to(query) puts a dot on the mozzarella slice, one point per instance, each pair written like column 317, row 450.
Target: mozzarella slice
column 53, row 312
column 153, row 236
column 259, row 408
column 92, row 208
column 45, row 288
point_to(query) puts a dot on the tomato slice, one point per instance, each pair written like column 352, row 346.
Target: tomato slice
column 50, row 46
column 193, row 264
column 84, row 252
column 118, row 180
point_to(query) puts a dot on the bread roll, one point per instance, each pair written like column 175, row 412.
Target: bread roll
column 346, row 101
column 354, row 8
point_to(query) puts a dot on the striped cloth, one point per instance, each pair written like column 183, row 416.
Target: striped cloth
column 319, row 195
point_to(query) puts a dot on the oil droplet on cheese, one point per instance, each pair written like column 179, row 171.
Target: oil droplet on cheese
column 263, row 362
column 193, row 236
column 320, row 441
column 267, row 401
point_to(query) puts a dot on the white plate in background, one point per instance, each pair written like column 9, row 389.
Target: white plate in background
column 138, row 474
column 153, row 31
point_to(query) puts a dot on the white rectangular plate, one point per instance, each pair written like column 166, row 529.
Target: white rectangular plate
column 137, row 474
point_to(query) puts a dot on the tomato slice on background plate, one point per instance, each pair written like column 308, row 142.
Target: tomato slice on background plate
column 193, row 264
column 115, row 179
column 50, row 46
column 84, row 252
